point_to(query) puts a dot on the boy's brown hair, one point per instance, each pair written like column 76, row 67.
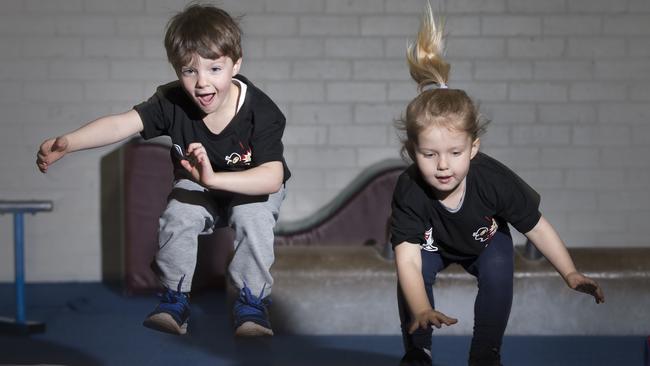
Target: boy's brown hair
column 202, row 29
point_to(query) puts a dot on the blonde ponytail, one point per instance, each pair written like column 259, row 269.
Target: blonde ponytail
column 436, row 104
column 425, row 57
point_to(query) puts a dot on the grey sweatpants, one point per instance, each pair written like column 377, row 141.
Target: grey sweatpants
column 192, row 210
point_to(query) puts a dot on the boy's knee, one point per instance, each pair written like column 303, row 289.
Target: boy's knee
column 183, row 214
column 256, row 219
column 253, row 214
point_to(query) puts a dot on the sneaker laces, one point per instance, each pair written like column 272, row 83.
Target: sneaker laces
column 249, row 304
column 174, row 300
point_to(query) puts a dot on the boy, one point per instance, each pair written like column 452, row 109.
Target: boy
column 228, row 165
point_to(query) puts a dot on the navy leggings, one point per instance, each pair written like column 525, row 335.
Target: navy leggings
column 493, row 269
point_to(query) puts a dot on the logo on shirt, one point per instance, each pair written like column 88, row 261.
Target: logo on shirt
column 245, row 157
column 485, row 233
column 428, row 244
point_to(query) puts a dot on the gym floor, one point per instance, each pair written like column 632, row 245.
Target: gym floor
column 93, row 324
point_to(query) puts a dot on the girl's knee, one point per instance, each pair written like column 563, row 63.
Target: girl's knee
column 499, row 263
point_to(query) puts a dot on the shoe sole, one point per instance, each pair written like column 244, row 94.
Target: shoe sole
column 164, row 322
column 251, row 329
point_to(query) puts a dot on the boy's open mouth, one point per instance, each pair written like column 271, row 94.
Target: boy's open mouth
column 205, row 99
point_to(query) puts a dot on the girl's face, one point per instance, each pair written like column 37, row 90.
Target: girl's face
column 443, row 157
column 208, row 82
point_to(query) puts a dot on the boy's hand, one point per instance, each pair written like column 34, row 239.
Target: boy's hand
column 582, row 283
column 429, row 318
column 198, row 164
column 50, row 151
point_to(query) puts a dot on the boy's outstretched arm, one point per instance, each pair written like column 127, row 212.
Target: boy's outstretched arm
column 264, row 179
column 409, row 273
column 100, row 132
column 546, row 239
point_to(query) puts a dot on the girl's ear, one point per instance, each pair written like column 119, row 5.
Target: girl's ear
column 475, row 145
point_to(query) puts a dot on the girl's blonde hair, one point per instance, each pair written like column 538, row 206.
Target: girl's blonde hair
column 436, row 104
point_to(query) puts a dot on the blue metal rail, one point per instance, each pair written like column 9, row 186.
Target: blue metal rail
column 19, row 209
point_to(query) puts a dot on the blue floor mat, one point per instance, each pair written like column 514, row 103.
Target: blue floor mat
column 92, row 324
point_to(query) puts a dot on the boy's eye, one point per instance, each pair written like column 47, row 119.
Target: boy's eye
column 216, row 69
column 187, row 71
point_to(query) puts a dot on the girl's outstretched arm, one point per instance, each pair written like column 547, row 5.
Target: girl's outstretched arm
column 409, row 273
column 546, row 239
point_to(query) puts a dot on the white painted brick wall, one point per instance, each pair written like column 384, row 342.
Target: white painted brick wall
column 571, row 25
column 534, row 6
column 477, row 48
column 536, row 47
column 503, row 70
column 518, row 113
column 563, row 70
column 569, row 113
column 565, row 83
column 597, row 48
column 511, row 25
column 473, row 6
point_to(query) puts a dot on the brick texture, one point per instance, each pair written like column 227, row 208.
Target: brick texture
column 565, row 84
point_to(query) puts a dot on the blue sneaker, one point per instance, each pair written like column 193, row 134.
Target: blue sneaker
column 250, row 315
column 172, row 313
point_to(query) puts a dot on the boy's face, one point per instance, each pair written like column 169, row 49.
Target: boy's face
column 208, row 82
column 443, row 156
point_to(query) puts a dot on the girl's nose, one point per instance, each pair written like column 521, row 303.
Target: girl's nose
column 442, row 163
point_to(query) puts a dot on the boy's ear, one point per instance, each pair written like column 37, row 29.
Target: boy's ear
column 475, row 145
column 236, row 66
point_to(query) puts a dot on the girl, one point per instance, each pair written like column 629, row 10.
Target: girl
column 453, row 205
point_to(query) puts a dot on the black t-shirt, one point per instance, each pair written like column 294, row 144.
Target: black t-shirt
column 253, row 136
column 494, row 196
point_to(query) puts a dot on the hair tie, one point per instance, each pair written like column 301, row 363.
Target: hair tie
column 431, row 86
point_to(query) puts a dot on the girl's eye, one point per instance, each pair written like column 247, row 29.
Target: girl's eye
column 216, row 69
column 456, row 153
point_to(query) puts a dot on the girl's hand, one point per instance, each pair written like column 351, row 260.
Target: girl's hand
column 582, row 283
column 198, row 164
column 50, row 151
column 430, row 318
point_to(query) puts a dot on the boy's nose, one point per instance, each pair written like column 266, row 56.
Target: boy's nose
column 201, row 80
